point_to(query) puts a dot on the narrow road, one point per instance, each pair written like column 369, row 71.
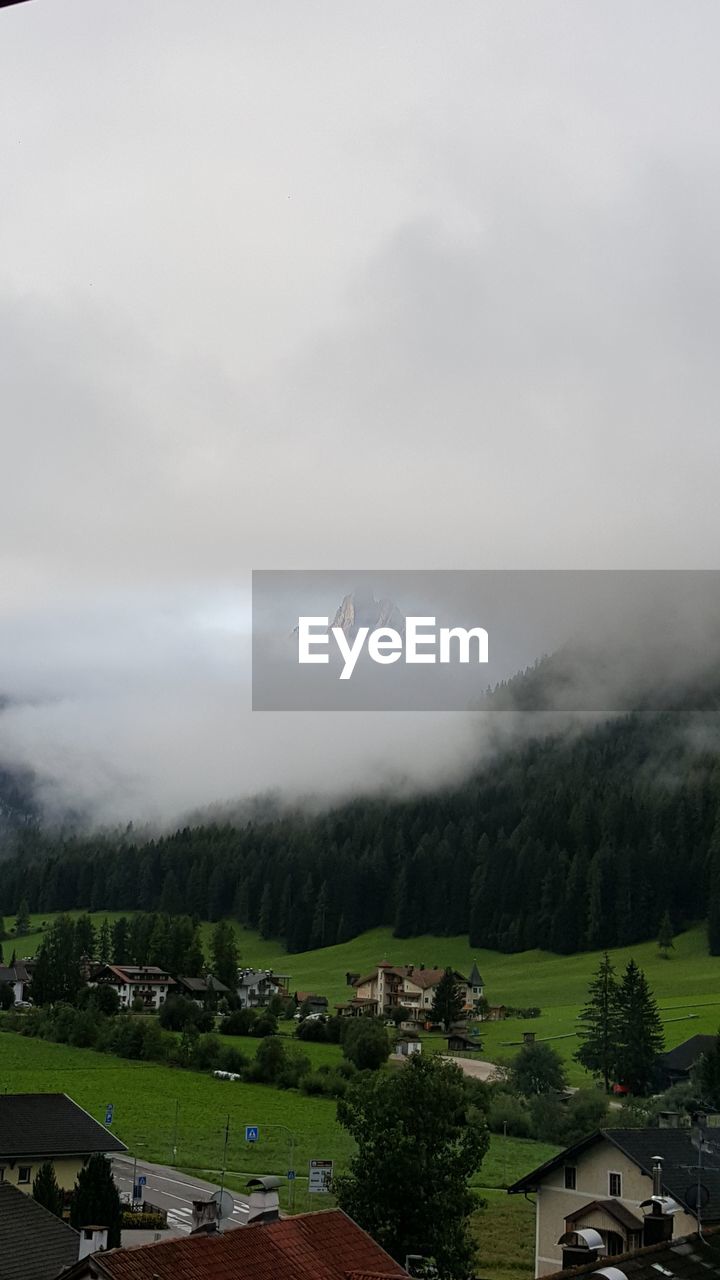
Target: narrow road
column 174, row 1191
column 473, row 1067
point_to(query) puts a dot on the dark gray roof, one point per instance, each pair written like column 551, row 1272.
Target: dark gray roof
column 687, row 1258
column 34, row 1244
column 678, row 1153
column 475, row 980
column 685, row 1055
column 50, row 1124
column 203, row 985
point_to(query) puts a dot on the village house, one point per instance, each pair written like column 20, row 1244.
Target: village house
column 201, row 990
column 35, row 1127
column 310, row 1245
column 148, row 982
column 311, row 1003
column 601, row 1190
column 16, row 976
column 256, row 987
column 677, row 1063
column 411, row 987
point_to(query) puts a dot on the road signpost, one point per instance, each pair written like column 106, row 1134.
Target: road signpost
column 109, row 1113
column 320, row 1174
column 252, row 1133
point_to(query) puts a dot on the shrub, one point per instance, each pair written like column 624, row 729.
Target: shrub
column 239, row 1023
column 142, row 1220
column 270, row 1059
column 206, row 1053
column 507, row 1109
column 85, row 1029
column 265, row 1024
column 231, row 1059
column 366, row 1043
column 176, row 1012
column 314, row 1031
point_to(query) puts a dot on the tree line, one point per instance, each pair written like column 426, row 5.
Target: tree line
column 566, row 844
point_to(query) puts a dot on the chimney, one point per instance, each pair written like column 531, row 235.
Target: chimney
column 263, row 1200
column 658, row 1224
column 92, row 1240
column 204, row 1216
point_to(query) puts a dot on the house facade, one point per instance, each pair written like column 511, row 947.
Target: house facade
column 411, row 987
column 605, row 1184
column 35, row 1127
column 201, row 990
column 256, row 987
column 17, row 977
column 152, row 984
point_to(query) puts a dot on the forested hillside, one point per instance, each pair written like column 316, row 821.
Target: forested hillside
column 561, row 844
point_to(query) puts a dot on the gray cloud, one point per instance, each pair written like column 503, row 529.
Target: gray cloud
column 322, row 286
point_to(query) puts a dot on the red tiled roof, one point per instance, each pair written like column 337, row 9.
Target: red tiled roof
column 311, row 1246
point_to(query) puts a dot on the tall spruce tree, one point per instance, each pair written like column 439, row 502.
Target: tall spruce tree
column 640, row 1034
column 448, row 1001
column 598, row 1029
column 104, row 945
column 45, row 1189
column 706, row 1076
column 224, row 951
column 713, row 892
column 22, row 923
column 665, row 936
column 95, row 1200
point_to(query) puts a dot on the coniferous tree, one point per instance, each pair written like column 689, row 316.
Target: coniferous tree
column 194, row 963
column 665, row 936
column 46, row 1191
column 85, row 937
column 95, row 1200
column 713, row 894
column 224, row 952
column 120, row 941
column 598, row 1029
column 56, row 975
column 640, row 1034
column 706, row 1075
column 448, row 1002
column 104, row 944
column 22, row 923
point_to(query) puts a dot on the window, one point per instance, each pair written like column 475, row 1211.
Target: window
column 24, row 1173
column 615, row 1184
column 570, row 1177
column 2, row 1172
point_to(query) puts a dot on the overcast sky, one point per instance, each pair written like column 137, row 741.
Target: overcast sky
column 322, row 284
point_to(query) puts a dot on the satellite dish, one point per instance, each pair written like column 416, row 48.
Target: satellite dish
column 697, row 1196
column 225, row 1203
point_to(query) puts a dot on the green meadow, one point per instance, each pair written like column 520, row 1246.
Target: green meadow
column 181, row 1117
column 687, row 985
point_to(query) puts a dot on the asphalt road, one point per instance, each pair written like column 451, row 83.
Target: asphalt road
column 174, row 1191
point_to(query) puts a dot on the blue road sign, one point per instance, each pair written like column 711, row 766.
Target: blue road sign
column 142, row 1180
column 291, row 1175
column 109, row 1113
column 251, row 1133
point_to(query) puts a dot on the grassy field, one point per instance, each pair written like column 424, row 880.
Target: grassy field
column 687, row 985
column 180, row 1117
